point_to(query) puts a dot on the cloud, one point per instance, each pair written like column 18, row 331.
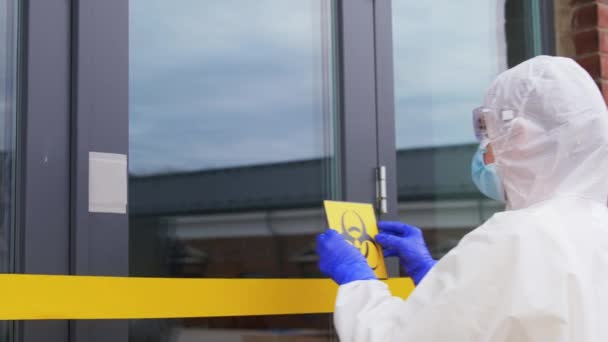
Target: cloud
column 7, row 67
column 240, row 82
column 446, row 55
column 235, row 83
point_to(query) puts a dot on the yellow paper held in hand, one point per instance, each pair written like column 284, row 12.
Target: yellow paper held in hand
column 357, row 223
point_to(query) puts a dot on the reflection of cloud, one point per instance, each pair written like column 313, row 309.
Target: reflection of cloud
column 196, row 31
column 232, row 83
column 7, row 71
column 432, row 123
column 446, row 55
column 3, row 46
column 239, row 82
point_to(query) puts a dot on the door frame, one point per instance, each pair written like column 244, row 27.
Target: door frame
column 43, row 163
column 100, row 123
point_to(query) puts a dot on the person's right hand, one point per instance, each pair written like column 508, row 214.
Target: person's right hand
column 406, row 242
column 340, row 260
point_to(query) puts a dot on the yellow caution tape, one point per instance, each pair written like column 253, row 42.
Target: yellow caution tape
column 33, row 297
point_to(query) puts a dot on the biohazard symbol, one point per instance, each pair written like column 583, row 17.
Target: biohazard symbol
column 355, row 233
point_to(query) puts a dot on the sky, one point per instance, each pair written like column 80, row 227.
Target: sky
column 446, row 56
column 240, row 82
column 226, row 83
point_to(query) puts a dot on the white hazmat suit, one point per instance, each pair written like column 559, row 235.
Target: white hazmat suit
column 538, row 271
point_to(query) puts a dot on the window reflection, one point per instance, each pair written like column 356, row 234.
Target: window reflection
column 445, row 57
column 228, row 83
column 232, row 111
column 446, row 54
column 8, row 100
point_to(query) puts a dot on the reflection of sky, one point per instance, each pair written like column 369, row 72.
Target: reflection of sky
column 239, row 82
column 446, row 55
column 224, row 83
column 5, row 68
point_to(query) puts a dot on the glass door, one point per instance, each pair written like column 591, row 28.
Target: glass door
column 232, row 148
column 237, row 119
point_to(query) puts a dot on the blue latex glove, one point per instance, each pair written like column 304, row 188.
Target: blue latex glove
column 406, row 242
column 340, row 260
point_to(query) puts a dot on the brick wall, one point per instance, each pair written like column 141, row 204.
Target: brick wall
column 582, row 33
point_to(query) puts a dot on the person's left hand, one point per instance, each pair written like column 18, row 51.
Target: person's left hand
column 340, row 260
column 406, row 242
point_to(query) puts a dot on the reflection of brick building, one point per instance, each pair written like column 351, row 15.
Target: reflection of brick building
column 258, row 222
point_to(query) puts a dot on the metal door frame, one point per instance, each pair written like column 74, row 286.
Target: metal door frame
column 43, row 140
column 100, row 122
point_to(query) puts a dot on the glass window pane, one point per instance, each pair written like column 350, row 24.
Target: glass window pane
column 231, row 140
column 8, row 100
column 446, row 56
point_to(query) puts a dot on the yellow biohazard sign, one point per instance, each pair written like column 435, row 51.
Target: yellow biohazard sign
column 357, row 223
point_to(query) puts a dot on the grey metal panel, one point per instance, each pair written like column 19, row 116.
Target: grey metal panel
column 100, row 124
column 385, row 100
column 43, row 184
column 385, row 110
column 358, row 117
column 44, row 139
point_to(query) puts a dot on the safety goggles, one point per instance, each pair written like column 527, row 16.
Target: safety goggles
column 483, row 115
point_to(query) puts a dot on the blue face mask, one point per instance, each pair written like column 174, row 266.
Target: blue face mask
column 486, row 178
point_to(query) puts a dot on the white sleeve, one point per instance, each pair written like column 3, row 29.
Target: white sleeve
column 366, row 311
column 465, row 297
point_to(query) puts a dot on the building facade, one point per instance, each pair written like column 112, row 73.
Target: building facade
column 198, row 139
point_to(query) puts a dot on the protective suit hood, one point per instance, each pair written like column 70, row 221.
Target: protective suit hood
column 549, row 131
column 527, row 275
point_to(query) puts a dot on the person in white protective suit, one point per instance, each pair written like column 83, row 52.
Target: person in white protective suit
column 536, row 272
